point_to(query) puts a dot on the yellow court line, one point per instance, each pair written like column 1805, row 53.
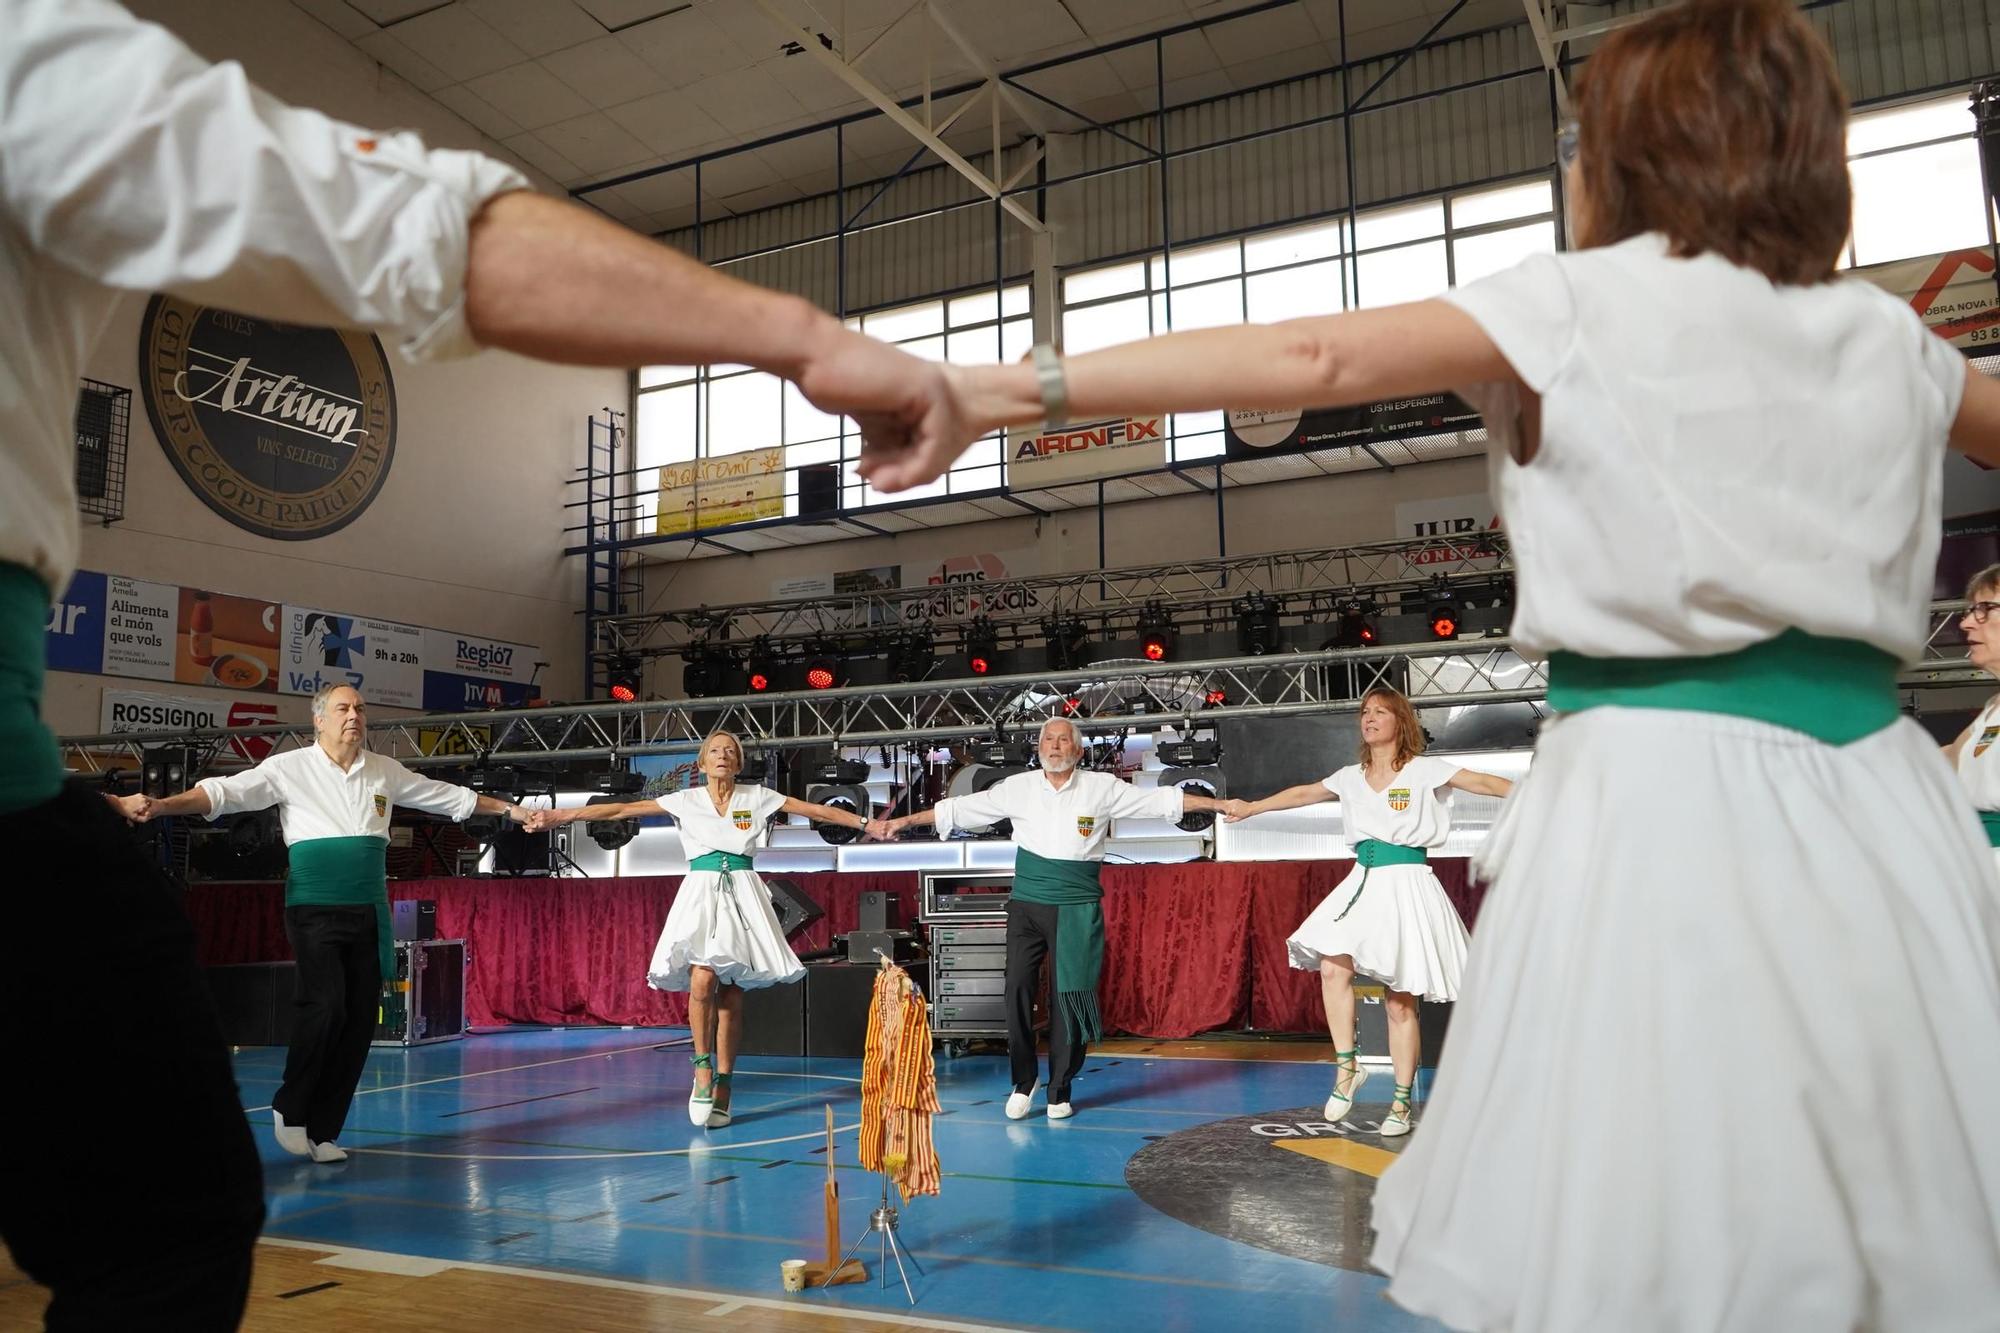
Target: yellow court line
column 1341, row 1152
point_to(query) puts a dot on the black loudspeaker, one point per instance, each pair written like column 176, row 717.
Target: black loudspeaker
column 795, row 910
column 414, row 919
column 875, row 910
column 774, row 1020
column 519, row 852
column 254, row 1001
column 837, row 998
column 167, row 770
column 819, row 490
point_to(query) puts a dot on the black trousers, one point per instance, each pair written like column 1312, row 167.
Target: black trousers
column 1031, row 936
column 333, row 1016
column 129, row 1184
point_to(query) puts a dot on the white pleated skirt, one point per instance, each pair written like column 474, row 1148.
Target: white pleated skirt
column 1727, row 1053
column 726, row 924
column 1402, row 930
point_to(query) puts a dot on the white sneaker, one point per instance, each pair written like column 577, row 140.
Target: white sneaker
column 290, row 1137
column 1061, row 1110
column 328, row 1152
column 1338, row 1106
column 1018, row 1103
column 1397, row 1123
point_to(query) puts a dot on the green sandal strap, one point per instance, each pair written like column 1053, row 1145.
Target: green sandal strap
column 702, row 1061
column 723, row 1078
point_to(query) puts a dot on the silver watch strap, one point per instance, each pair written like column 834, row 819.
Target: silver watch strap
column 1054, row 386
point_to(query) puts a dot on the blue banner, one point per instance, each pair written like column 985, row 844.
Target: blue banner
column 446, row 692
column 75, row 629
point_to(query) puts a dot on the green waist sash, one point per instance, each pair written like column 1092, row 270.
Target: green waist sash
column 1372, row 852
column 345, row 872
column 1834, row 690
column 721, row 861
column 725, row 864
column 33, row 771
column 1991, row 820
column 1074, row 890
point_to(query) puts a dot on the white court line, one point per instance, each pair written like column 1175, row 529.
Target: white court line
column 699, row 1146
column 726, row 1308
column 827, row 1310
column 571, row 1059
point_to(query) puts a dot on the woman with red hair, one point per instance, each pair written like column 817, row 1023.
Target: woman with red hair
column 1390, row 918
column 1728, row 1047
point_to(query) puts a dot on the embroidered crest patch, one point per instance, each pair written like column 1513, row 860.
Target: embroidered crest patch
column 381, row 805
column 1985, row 740
column 1399, row 798
column 1086, row 825
column 741, row 819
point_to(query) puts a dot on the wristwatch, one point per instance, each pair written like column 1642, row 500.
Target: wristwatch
column 1055, row 388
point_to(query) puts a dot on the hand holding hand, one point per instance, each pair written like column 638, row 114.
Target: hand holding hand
column 536, row 821
column 522, row 815
column 137, row 808
column 1235, row 810
column 882, row 830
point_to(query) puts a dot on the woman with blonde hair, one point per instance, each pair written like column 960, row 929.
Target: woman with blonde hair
column 1728, row 1046
column 722, row 936
column 1390, row 918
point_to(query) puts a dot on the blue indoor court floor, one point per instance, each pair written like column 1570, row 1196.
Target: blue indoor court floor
column 570, row 1151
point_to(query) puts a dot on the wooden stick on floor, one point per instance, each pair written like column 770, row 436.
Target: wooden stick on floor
column 833, row 1273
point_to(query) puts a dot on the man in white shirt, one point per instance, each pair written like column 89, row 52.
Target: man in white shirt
column 334, row 800
column 130, row 164
column 1061, row 819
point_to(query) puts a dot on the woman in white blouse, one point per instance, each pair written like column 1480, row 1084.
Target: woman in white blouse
column 722, row 936
column 1728, row 1050
column 1389, row 918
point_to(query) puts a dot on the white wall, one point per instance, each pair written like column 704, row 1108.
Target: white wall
column 466, row 533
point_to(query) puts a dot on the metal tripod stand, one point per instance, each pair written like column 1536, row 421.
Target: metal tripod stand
column 883, row 1220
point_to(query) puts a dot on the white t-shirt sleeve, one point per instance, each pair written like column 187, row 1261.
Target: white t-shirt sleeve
column 130, row 159
column 1434, row 773
column 1946, row 369
column 1127, row 801
column 1332, row 782
column 669, row 802
column 1529, row 311
column 770, row 801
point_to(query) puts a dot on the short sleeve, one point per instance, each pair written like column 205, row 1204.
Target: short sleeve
column 1945, row 367
column 769, row 802
column 1529, row 311
column 669, row 802
column 1437, row 772
column 1333, row 782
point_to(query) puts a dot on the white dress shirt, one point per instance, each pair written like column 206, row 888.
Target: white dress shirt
column 1067, row 823
column 128, row 162
column 317, row 798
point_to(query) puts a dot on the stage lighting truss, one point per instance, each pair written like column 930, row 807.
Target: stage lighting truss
column 1256, row 625
column 849, row 796
column 611, row 834
column 1156, row 633
column 1066, row 643
column 619, row 782
column 982, row 645
column 1205, row 780
column 912, row 654
column 1355, row 627
column 624, row 677
column 760, row 668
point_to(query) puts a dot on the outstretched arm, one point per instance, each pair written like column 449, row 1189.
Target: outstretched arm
column 1363, row 356
column 583, row 814
column 1291, row 798
column 139, row 807
column 826, row 814
column 1479, row 784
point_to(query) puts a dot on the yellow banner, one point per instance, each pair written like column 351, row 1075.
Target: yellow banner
column 715, row 492
column 454, row 740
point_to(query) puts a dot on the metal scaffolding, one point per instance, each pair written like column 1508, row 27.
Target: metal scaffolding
column 1308, row 584
column 1188, row 695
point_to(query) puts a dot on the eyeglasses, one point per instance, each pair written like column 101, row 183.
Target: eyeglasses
column 1978, row 611
column 1566, row 145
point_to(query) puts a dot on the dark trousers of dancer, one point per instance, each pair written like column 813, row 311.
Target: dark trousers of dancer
column 129, row 1184
column 333, row 1016
column 1031, row 936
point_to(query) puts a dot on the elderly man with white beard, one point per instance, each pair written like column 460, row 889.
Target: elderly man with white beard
column 1061, row 818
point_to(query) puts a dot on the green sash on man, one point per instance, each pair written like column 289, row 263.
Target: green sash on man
column 345, row 872
column 1072, row 888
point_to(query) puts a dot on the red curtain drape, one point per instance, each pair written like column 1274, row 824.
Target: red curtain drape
column 1188, row 948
